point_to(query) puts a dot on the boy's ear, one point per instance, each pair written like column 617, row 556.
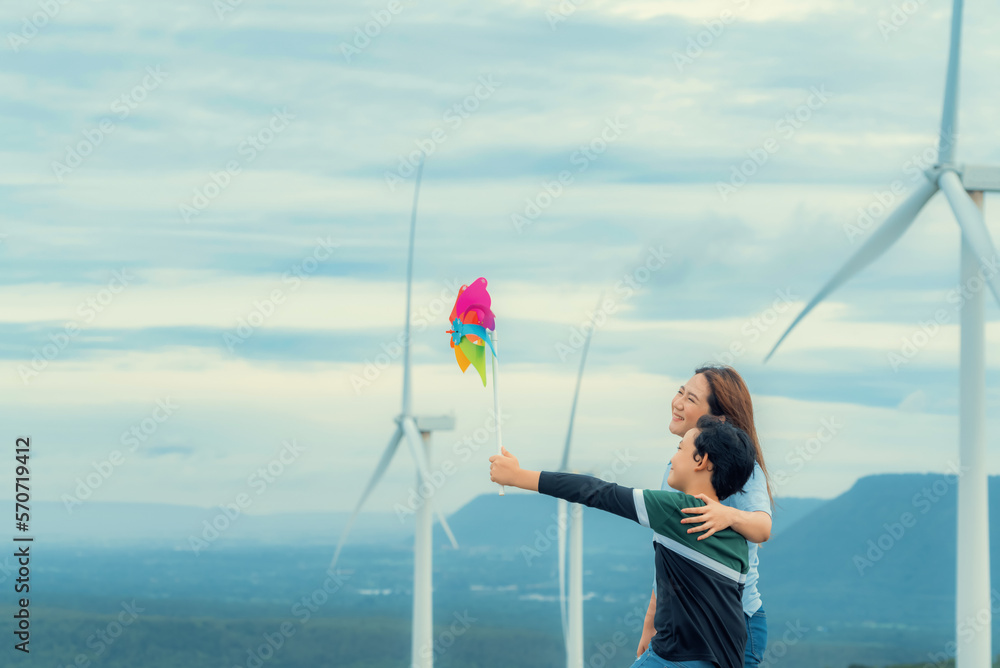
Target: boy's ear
column 703, row 464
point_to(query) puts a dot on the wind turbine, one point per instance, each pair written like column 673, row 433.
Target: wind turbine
column 417, row 432
column 963, row 187
column 572, row 609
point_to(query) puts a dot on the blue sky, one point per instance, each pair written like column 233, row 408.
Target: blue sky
column 279, row 145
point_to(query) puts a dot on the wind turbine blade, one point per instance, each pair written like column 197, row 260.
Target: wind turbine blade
column 409, row 286
column 881, row 239
column 383, row 464
column 974, row 230
column 949, row 114
column 420, row 458
column 445, row 526
column 576, row 393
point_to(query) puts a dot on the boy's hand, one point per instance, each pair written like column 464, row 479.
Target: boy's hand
column 647, row 636
column 504, row 468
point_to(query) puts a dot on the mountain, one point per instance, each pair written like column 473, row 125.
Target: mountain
column 104, row 523
column 522, row 519
column 789, row 510
column 518, row 519
column 489, row 520
column 881, row 553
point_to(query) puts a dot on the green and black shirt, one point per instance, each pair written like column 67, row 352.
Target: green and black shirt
column 699, row 584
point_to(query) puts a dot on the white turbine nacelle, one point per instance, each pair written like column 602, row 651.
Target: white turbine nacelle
column 434, row 422
column 982, row 178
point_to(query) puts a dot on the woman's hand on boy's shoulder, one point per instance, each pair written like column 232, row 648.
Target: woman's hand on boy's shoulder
column 713, row 516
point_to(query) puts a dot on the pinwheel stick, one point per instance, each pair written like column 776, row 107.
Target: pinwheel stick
column 496, row 397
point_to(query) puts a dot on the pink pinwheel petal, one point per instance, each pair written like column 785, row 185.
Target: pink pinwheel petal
column 476, row 298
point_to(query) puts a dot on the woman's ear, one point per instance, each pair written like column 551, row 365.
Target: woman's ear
column 722, row 418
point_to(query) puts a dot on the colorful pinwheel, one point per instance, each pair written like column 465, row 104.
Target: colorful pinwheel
column 473, row 327
column 470, row 318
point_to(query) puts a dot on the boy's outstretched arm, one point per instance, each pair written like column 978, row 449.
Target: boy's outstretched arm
column 588, row 490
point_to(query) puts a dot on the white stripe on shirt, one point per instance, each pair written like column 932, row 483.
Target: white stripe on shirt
column 700, row 558
column 640, row 507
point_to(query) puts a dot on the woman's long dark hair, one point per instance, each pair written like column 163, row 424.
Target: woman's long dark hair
column 729, row 396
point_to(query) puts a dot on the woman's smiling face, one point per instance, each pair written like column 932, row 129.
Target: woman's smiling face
column 689, row 404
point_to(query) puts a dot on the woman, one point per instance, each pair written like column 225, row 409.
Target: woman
column 719, row 390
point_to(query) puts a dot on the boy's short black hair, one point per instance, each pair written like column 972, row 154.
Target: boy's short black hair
column 732, row 453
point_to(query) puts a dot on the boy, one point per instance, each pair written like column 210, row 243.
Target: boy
column 699, row 584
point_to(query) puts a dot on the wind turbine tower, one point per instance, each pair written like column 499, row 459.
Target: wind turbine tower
column 963, row 186
column 417, row 432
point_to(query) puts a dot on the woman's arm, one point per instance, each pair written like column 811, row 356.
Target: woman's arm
column 755, row 525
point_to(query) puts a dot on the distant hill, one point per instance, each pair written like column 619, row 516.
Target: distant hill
column 517, row 519
column 789, row 510
column 488, row 520
column 98, row 523
column 869, row 575
column 882, row 552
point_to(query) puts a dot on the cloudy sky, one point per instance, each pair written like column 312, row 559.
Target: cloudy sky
column 206, row 208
